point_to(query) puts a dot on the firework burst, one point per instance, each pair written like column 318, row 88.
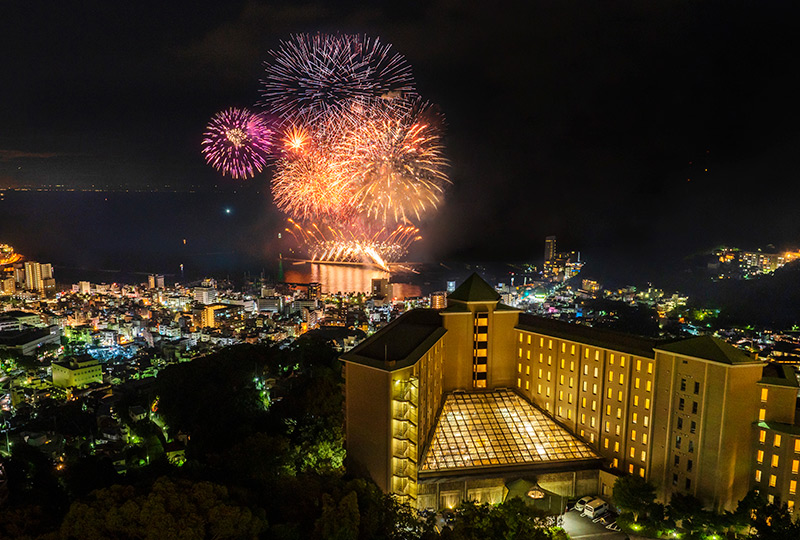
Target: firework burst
column 237, row 142
column 315, row 74
column 394, row 155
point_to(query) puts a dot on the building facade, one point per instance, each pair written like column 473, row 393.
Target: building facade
column 695, row 416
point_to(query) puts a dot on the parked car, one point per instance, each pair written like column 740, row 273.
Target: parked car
column 595, row 508
column 582, row 502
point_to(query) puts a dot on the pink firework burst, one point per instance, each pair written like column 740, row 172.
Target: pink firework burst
column 237, row 142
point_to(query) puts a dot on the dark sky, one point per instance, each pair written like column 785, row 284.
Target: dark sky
column 594, row 121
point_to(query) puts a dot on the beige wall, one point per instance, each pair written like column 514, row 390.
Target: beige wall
column 457, row 370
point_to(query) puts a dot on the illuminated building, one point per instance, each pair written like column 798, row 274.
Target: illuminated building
column 380, row 287
column 205, row 294
column 155, row 281
column 687, row 415
column 315, row 291
column 33, row 276
column 7, row 286
column 76, row 372
column 84, row 287
column 439, row 300
column 549, row 248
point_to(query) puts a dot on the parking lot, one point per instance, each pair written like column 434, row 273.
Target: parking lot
column 579, row 527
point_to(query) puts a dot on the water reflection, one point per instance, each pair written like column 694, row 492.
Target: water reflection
column 345, row 278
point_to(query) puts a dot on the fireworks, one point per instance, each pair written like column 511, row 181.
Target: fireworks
column 359, row 157
column 317, row 74
column 237, row 142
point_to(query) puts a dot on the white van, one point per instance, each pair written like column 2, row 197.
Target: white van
column 595, row 509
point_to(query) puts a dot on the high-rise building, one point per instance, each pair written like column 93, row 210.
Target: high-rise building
column 8, row 286
column 461, row 402
column 205, row 295
column 380, row 287
column 33, row 276
column 46, row 270
column 155, row 281
column 315, row 291
column 84, row 287
column 549, row 248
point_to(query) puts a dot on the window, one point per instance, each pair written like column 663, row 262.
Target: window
column 777, row 441
column 760, row 457
column 548, row 376
column 630, row 468
column 608, row 426
column 641, row 472
column 693, row 427
column 586, row 353
column 561, row 379
column 596, row 372
column 636, row 382
column 594, row 404
column 540, row 373
column 591, row 422
column 617, row 429
column 619, row 412
column 519, row 382
column 549, row 360
column 529, row 338
column 615, row 463
column 597, row 355
column 647, row 404
column 610, row 393
column 547, row 391
column 583, row 418
column 605, row 443
column 772, row 480
column 677, row 460
column 674, row 479
column 691, row 445
column 616, row 446
column 683, row 385
column 519, row 368
column 635, row 401
column 634, row 418
column 681, row 404
column 520, row 352
column 621, row 378
column 678, row 442
column 688, row 483
column 689, row 465
column 697, row 388
column 520, row 338
column 541, row 358
column 619, row 396
column 527, row 385
column 797, row 445
column 646, row 421
column 563, row 347
column 562, row 363
column 571, row 382
column 572, row 350
column 527, row 370
column 644, row 455
column 762, row 436
column 633, row 435
column 774, row 460
column 795, row 466
column 608, row 410
column 549, row 343
column 680, row 423
column 539, row 389
column 572, row 366
column 649, row 386
column 610, row 376
column 621, row 361
column 569, row 398
column 585, row 386
column 583, row 402
column 611, row 359
column 762, row 414
column 594, row 389
column 758, row 476
column 632, row 452
column 586, row 369
column 694, row 407
column 792, row 487
column 644, row 438
column 528, row 354
column 638, row 365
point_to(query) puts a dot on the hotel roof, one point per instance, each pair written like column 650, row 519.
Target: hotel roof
column 474, row 289
column 401, row 343
column 596, row 337
column 479, row 430
column 709, row 348
column 779, row 375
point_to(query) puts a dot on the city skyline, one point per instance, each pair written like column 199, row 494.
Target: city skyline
column 625, row 129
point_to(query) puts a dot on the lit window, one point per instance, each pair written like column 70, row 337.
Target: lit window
column 594, row 389
column 596, row 372
column 519, row 382
column 762, row 414
column 549, row 343
column 571, row 382
column 520, row 338
column 641, row 472
column 527, row 370
column 634, row 418
column 540, row 373
column 633, row 435
column 591, row 421
column 617, row 429
column 649, row 386
column 636, row 382
column 644, row 438
column 608, row 410
column 583, row 418
column 619, row 396
column 638, row 365
column 774, row 460
column 635, row 401
column 762, row 436
column 572, row 350
column 760, row 457
column 792, row 487
column 610, row 376
column 616, row 446
column 585, row 386
column 647, row 404
column 621, row 378
column 619, row 413
column 561, row 379
column 630, row 468
column 797, row 445
column 569, row 414
column 528, row 354
column 615, row 463
column 611, row 359
column 586, row 353
column 562, row 363
column 594, row 404
column 529, row 339
column 572, row 366
column 519, row 368
column 597, row 355
column 541, row 342
column 605, row 443
column 591, row 437
column 527, row 385
column 583, row 402
column 795, row 466
column 621, row 361
column 520, row 352
column 772, row 480
column 547, row 392
column 549, row 375
column 649, row 367
column 560, row 411
column 569, row 398
column 644, row 455
column 608, row 426
column 563, row 347
column 541, row 358
column 586, row 369
column 539, row 389
column 790, row 506
column 646, row 421
column 610, row 393
column 777, row 441
column 632, row 452
column 758, row 476
column 549, row 360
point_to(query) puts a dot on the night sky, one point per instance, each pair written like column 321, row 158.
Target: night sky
column 593, row 121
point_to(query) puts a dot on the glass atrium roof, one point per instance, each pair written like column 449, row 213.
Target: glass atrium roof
column 498, row 428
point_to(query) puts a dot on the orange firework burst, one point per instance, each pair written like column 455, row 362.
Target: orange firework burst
column 394, row 155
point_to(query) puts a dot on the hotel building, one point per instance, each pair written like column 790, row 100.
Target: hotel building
column 469, row 400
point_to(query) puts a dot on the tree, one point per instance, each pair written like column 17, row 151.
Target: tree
column 633, row 494
column 339, row 522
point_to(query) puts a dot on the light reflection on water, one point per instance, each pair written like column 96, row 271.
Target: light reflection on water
column 345, row 278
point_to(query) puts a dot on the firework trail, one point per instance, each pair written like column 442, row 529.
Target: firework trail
column 237, row 142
